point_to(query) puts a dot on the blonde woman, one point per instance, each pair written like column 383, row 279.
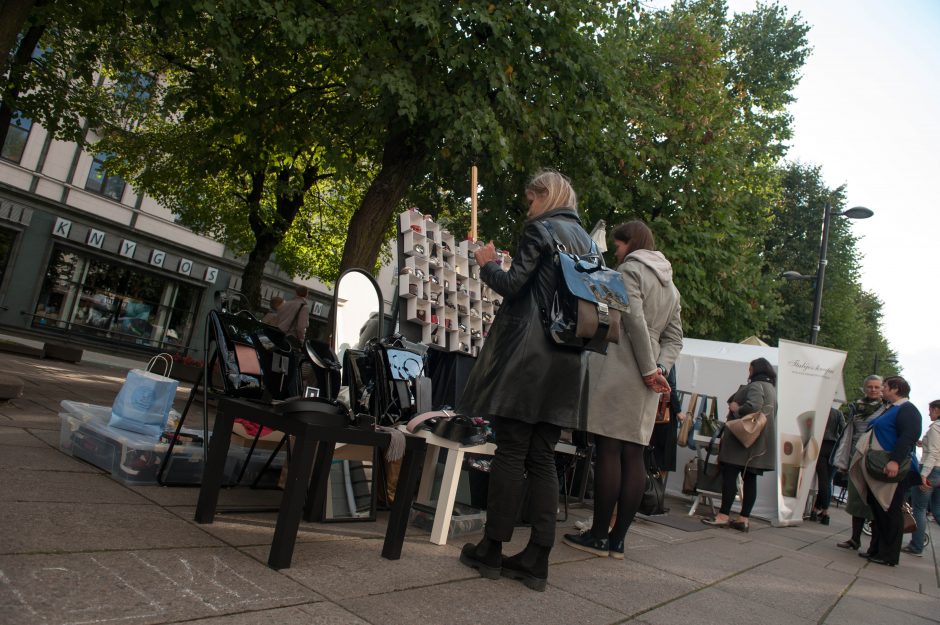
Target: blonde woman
column 526, row 385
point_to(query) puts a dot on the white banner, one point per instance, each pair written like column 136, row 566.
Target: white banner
column 807, row 377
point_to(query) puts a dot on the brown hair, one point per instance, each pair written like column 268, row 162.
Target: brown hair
column 556, row 186
column 934, row 404
column 636, row 234
column 898, row 385
column 762, row 365
column 300, row 290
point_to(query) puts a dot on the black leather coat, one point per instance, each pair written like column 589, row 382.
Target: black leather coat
column 519, row 374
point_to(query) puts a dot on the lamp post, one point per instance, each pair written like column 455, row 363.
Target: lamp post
column 856, row 212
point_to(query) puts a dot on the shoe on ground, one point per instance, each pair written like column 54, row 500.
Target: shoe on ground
column 823, row 519
column 849, row 544
column 586, row 542
column 485, row 557
column 715, row 523
column 616, row 550
column 878, row 560
column 741, row 526
column 530, row 567
column 910, row 550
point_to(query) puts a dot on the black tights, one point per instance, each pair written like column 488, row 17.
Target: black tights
column 619, row 480
column 729, row 489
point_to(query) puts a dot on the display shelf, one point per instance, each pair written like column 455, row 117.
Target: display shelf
column 416, row 244
column 418, row 311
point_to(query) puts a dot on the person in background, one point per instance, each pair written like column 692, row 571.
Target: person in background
column 528, row 387
column 758, row 395
column 270, row 317
column 834, row 427
column 861, row 412
column 926, row 495
column 292, row 316
column 896, row 431
column 625, row 387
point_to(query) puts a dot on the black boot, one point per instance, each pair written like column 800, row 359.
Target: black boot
column 485, row 556
column 530, row 567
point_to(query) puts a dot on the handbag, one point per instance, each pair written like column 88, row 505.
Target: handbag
column 908, row 520
column 748, row 428
column 710, row 421
column 588, row 300
column 143, row 404
column 704, row 481
column 690, row 477
column 654, row 494
column 877, row 459
column 685, row 430
column 663, row 409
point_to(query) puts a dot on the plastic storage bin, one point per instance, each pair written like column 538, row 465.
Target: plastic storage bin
column 135, row 458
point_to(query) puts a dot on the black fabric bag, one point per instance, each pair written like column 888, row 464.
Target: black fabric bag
column 654, row 496
column 589, row 298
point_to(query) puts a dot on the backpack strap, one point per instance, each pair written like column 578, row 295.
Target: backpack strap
column 561, row 247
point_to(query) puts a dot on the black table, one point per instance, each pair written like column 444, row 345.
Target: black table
column 312, row 441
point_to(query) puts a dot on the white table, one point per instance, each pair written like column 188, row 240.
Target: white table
column 444, row 510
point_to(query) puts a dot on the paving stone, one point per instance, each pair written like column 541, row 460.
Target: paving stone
column 31, row 527
column 713, row 606
column 799, row 589
column 705, row 560
column 64, row 487
column 43, row 459
column 852, row 611
column 477, row 600
column 142, row 587
column 910, row 602
column 321, row 613
column 620, row 585
column 12, row 435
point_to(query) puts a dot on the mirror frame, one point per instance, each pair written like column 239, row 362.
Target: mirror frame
column 335, row 309
column 378, row 470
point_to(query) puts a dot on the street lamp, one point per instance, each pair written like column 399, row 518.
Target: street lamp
column 856, row 212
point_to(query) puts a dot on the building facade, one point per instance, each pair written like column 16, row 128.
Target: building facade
column 85, row 258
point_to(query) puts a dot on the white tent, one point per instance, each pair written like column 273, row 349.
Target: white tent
column 717, row 369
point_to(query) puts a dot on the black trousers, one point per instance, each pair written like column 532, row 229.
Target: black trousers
column 824, row 476
column 524, row 461
column 887, row 527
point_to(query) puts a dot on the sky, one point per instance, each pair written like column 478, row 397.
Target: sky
column 868, row 112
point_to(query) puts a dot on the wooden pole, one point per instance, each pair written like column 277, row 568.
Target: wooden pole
column 473, row 202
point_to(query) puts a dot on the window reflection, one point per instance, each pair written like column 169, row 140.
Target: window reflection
column 116, row 302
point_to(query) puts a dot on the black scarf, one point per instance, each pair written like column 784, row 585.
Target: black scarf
column 760, row 377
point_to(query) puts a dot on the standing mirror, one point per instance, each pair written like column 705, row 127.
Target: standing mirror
column 357, row 312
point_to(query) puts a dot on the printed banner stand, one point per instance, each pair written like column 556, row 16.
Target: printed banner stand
column 807, row 378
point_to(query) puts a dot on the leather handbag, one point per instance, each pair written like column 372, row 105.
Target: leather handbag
column 748, row 428
column 877, row 459
column 688, row 420
column 654, row 494
column 664, row 409
column 907, row 517
column 690, row 477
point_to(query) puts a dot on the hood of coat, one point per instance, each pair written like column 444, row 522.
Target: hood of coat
column 655, row 261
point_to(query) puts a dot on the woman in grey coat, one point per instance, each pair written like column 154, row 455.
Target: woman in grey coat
column 758, row 395
column 528, row 386
column 625, row 386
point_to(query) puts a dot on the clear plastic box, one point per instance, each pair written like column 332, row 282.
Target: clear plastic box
column 135, row 458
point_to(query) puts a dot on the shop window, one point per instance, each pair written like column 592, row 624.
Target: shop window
column 17, row 136
column 116, row 302
column 100, row 181
column 7, row 237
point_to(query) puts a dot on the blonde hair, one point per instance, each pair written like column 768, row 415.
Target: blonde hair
column 555, row 186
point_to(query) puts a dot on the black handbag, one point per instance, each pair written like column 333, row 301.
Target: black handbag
column 654, row 495
column 877, row 459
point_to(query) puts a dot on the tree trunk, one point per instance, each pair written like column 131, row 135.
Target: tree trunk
column 13, row 16
column 24, row 56
column 401, row 161
column 269, row 236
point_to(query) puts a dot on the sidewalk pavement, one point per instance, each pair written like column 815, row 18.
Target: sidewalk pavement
column 77, row 546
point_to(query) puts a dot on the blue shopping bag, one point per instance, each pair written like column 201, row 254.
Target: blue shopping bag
column 143, row 404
